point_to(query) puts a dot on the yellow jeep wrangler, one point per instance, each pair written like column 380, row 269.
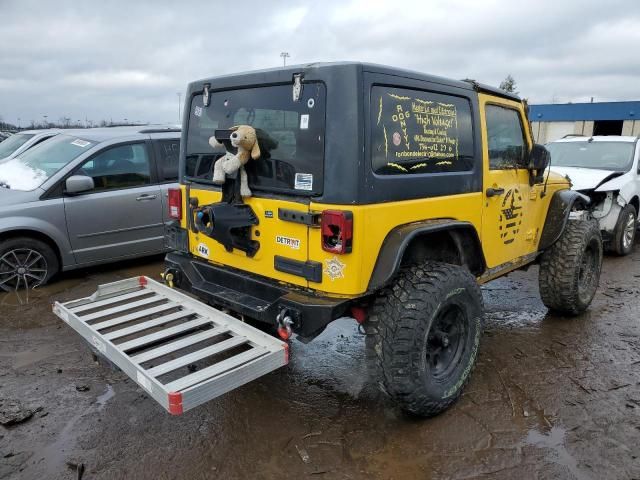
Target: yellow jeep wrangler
column 381, row 194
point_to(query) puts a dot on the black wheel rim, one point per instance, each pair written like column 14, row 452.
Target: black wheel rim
column 445, row 342
column 588, row 269
column 22, row 268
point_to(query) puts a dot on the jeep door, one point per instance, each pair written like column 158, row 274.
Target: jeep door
column 122, row 215
column 511, row 207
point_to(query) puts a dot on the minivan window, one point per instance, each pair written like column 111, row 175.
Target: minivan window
column 167, row 153
column 414, row 132
column 33, row 167
column 13, row 143
column 123, row 166
column 290, row 135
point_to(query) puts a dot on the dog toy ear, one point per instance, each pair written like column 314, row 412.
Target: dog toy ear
column 214, row 142
column 255, row 150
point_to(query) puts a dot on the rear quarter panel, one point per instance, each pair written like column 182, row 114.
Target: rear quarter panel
column 349, row 274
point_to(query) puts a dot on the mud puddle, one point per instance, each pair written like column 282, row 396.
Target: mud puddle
column 554, row 441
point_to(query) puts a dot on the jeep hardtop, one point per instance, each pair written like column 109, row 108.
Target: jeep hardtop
column 381, row 194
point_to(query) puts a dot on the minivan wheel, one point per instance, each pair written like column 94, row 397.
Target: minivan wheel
column 429, row 324
column 26, row 263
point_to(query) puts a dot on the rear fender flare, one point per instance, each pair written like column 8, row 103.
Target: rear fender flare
column 560, row 207
column 397, row 240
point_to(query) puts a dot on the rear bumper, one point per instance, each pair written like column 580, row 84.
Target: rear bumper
column 256, row 297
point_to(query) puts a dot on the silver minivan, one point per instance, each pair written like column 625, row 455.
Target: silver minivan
column 85, row 197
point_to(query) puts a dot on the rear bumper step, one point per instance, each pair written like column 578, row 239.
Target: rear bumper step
column 254, row 296
column 180, row 351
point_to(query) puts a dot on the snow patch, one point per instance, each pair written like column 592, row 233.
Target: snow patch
column 19, row 176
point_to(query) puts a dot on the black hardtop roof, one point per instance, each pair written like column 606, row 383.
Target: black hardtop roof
column 285, row 74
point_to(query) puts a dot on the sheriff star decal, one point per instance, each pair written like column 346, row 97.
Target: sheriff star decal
column 510, row 216
column 334, row 268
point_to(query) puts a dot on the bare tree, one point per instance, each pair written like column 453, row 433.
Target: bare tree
column 66, row 122
column 509, row 85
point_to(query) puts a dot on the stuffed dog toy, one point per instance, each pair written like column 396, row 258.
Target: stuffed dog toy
column 245, row 140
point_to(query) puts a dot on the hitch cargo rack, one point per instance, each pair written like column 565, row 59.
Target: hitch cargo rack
column 179, row 350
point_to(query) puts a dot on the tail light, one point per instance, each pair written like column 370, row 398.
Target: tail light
column 337, row 231
column 175, row 203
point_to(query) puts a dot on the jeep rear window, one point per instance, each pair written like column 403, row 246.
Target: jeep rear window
column 290, row 133
column 418, row 132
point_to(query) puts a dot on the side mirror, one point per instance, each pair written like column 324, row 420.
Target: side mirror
column 539, row 159
column 78, row 184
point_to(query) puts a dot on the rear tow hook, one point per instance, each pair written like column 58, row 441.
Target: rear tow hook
column 284, row 324
column 169, row 277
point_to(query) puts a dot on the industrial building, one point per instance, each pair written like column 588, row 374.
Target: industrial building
column 553, row 121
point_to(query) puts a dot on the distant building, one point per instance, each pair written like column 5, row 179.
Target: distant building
column 553, row 121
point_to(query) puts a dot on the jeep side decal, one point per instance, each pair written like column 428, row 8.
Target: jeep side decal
column 510, row 217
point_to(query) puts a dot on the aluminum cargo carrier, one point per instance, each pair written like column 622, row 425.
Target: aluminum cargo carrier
column 179, row 350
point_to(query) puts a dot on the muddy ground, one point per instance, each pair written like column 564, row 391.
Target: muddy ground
column 551, row 398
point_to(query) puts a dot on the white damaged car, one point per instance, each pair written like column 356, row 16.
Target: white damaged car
column 606, row 170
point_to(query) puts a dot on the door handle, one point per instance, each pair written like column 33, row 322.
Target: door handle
column 493, row 192
column 143, row 198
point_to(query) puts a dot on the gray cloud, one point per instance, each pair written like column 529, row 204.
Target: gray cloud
column 123, row 59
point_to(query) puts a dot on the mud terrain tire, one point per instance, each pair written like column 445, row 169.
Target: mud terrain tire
column 625, row 233
column 570, row 268
column 429, row 324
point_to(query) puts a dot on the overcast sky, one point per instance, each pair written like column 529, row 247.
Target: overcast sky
column 116, row 60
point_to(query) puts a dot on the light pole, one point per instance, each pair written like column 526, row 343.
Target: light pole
column 179, row 101
column 284, row 56
column 45, row 120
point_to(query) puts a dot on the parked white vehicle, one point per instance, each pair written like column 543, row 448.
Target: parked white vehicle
column 605, row 169
column 22, row 141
